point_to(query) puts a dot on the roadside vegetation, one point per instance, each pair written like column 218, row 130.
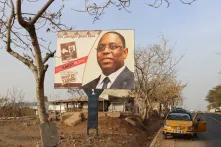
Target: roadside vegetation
column 12, row 105
column 214, row 97
column 157, row 88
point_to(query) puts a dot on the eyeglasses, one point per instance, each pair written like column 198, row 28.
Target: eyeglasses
column 111, row 46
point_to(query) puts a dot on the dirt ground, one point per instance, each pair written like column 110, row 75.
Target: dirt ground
column 113, row 132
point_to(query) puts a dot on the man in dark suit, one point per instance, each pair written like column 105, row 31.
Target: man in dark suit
column 111, row 53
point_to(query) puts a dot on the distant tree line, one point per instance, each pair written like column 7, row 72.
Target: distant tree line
column 214, row 97
column 12, row 104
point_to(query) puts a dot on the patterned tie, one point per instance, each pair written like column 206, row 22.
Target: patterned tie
column 105, row 82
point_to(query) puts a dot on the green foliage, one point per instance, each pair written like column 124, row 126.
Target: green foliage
column 214, row 97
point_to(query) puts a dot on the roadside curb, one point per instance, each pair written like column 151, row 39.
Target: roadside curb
column 152, row 144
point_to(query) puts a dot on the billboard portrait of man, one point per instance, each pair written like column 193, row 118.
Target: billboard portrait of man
column 111, row 53
column 95, row 59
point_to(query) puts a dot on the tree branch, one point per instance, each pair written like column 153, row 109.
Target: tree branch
column 187, row 2
column 27, row 62
column 48, row 55
column 21, row 21
column 9, row 27
column 39, row 14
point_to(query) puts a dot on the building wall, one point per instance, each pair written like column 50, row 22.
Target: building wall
column 85, row 106
column 116, row 107
column 61, row 107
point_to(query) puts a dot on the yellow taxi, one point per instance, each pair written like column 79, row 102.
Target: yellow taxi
column 183, row 123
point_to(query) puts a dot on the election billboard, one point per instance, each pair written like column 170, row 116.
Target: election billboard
column 95, row 59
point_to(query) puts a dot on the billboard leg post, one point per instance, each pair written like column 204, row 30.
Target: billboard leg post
column 93, row 103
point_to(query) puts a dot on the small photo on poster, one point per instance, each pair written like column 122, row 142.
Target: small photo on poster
column 68, row 51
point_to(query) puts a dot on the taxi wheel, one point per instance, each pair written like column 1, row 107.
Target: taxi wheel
column 195, row 135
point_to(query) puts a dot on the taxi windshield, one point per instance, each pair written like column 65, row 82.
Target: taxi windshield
column 179, row 116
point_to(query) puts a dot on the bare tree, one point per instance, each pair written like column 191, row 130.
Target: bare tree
column 155, row 76
column 19, row 33
column 168, row 93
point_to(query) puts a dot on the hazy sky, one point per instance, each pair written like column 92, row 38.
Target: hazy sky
column 193, row 31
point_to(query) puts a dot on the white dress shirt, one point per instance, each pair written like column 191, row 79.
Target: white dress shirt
column 112, row 78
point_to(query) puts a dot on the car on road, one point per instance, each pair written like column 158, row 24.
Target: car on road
column 182, row 122
column 217, row 110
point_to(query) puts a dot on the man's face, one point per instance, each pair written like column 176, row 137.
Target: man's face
column 111, row 53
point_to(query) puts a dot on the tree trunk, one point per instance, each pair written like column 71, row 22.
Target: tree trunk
column 48, row 130
column 143, row 115
column 146, row 114
column 146, row 111
column 43, row 116
column 160, row 109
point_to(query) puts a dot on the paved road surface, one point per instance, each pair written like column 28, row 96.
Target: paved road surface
column 211, row 138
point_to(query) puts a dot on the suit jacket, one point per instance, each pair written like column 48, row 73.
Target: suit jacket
column 125, row 80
